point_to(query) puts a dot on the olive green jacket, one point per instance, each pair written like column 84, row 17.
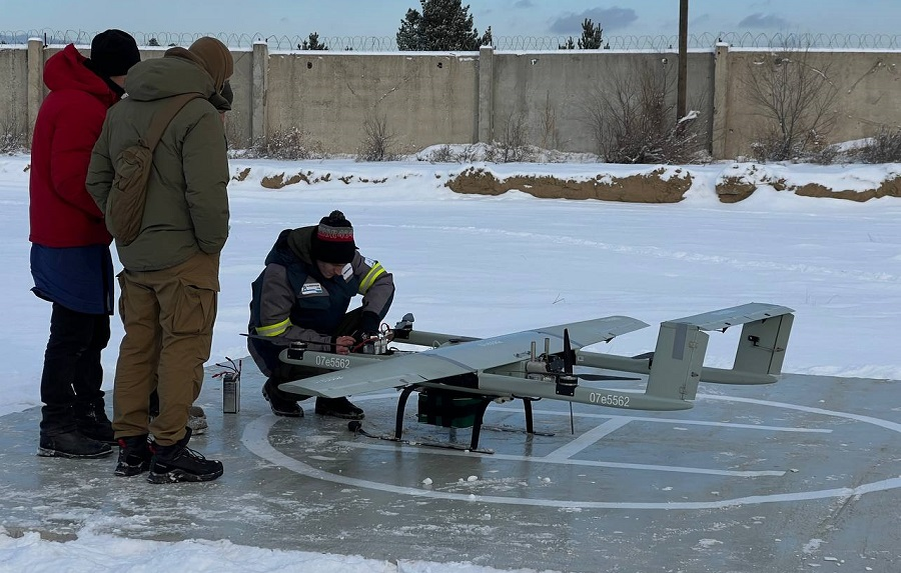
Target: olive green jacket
column 186, row 211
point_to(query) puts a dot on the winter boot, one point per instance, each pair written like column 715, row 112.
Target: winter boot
column 72, row 444
column 339, row 408
column 177, row 463
column 134, row 456
column 281, row 403
column 92, row 422
column 197, row 420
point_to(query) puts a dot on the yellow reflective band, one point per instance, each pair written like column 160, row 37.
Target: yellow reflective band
column 374, row 273
column 275, row 329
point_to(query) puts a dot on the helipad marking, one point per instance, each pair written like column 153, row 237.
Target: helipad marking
column 255, row 438
column 695, row 422
column 562, row 461
column 587, row 439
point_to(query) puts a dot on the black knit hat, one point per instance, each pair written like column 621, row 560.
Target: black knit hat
column 113, row 52
column 333, row 241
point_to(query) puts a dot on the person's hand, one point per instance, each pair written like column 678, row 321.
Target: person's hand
column 343, row 344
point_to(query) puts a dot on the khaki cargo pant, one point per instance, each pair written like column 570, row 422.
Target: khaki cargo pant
column 168, row 317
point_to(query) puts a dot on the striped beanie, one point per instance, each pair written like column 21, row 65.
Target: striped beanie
column 333, row 241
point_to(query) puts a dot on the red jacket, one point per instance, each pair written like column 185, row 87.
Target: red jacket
column 68, row 124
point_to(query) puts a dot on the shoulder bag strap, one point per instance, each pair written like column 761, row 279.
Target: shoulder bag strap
column 163, row 117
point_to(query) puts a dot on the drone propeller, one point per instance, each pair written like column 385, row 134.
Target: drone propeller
column 566, row 381
column 569, row 356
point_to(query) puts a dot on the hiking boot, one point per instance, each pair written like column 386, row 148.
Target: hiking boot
column 339, row 408
column 92, row 422
column 134, row 456
column 178, row 463
column 197, row 420
column 72, row 445
column 280, row 402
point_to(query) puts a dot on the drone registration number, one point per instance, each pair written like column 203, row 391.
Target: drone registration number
column 608, row 399
column 332, row 362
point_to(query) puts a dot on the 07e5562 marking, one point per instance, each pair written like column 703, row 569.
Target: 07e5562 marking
column 332, row 362
column 608, row 399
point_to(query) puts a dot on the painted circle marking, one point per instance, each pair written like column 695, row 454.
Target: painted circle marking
column 256, row 439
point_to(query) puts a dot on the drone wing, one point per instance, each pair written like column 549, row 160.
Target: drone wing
column 455, row 364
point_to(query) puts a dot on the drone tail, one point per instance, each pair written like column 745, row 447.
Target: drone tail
column 678, row 361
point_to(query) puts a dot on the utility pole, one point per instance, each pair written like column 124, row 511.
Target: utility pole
column 683, row 60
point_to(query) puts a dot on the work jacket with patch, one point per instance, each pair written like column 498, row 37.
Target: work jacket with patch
column 186, row 210
column 293, row 301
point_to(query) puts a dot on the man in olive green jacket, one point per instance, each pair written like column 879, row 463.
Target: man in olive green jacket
column 171, row 278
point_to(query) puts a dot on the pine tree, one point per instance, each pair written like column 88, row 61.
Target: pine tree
column 569, row 45
column 442, row 25
column 591, row 36
column 312, row 43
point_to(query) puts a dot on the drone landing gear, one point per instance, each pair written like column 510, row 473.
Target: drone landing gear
column 530, row 426
column 449, row 409
column 357, row 428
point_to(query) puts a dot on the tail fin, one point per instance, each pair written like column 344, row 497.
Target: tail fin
column 678, row 359
column 678, row 362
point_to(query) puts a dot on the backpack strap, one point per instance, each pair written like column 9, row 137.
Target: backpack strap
column 164, row 116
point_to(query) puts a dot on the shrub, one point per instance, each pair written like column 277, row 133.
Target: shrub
column 378, row 141
column 633, row 119
column 288, row 143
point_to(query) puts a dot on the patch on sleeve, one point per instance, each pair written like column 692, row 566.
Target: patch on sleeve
column 311, row 288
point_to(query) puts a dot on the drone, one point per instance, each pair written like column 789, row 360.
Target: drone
column 458, row 377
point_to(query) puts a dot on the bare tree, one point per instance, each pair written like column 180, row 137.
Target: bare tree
column 378, row 142
column 512, row 146
column 550, row 133
column 795, row 98
column 633, row 118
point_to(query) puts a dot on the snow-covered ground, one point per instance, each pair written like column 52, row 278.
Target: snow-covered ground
column 481, row 266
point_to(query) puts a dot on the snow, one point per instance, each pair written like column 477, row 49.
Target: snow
column 482, row 266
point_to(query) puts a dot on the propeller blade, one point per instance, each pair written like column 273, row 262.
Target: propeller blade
column 568, row 355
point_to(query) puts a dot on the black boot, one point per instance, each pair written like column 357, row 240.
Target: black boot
column 91, row 420
column 72, row 445
column 134, row 456
column 339, row 408
column 281, row 403
column 177, row 463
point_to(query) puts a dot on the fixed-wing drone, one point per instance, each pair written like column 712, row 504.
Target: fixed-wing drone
column 457, row 377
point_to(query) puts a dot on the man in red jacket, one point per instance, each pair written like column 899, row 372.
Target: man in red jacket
column 70, row 256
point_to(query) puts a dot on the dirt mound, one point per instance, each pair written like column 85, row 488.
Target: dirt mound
column 647, row 188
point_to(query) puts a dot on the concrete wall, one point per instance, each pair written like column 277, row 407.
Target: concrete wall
column 419, row 99
column 423, row 99
column 867, row 87
column 13, row 95
column 554, row 92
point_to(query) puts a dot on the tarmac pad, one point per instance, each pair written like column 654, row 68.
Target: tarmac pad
column 800, row 474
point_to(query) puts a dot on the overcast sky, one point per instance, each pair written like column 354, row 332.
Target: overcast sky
column 330, row 18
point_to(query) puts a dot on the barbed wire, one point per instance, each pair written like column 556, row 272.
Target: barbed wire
column 517, row 43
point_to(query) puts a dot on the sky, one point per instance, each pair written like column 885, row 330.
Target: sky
column 338, row 18
column 484, row 266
